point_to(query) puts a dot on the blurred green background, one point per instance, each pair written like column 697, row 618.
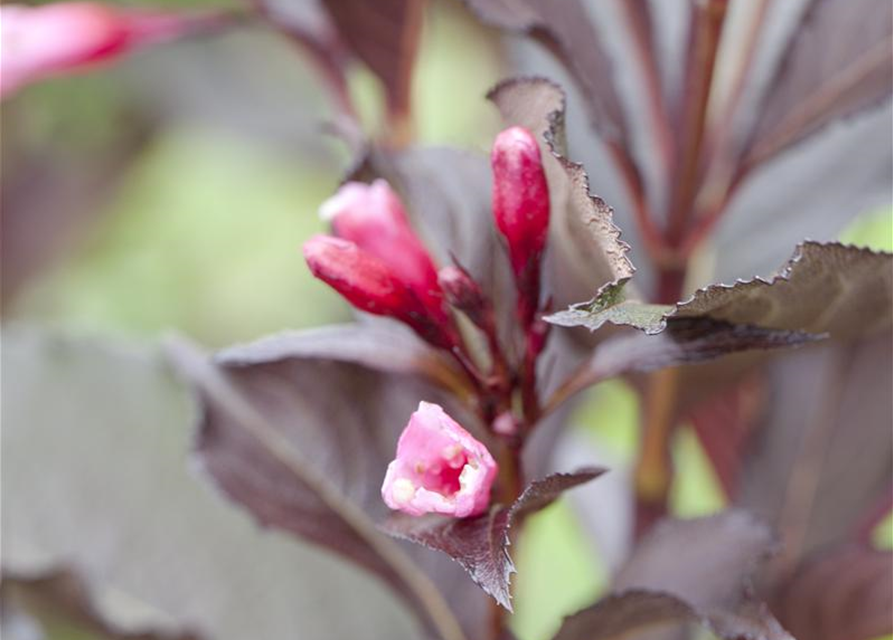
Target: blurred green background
column 202, row 233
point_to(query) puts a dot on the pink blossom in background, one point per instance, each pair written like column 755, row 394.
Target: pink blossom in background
column 38, row 41
column 439, row 468
column 54, row 39
column 372, row 216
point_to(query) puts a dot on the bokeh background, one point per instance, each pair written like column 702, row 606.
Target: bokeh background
column 172, row 192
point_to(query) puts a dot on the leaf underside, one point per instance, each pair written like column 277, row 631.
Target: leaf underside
column 480, row 544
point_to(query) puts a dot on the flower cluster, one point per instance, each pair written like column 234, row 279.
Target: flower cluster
column 377, row 262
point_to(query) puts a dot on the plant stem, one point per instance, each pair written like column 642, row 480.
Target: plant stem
column 637, row 14
column 654, row 472
column 706, row 27
column 511, row 484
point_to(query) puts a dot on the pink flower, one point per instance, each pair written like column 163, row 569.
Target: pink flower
column 52, row 39
column 38, row 41
column 371, row 285
column 373, row 217
column 520, row 195
column 440, row 468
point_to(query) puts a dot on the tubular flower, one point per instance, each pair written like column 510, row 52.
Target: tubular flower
column 373, row 217
column 370, row 285
column 439, row 468
column 39, row 41
column 521, row 206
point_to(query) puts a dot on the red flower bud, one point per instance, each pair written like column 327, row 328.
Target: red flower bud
column 520, row 198
column 64, row 37
column 463, row 293
column 373, row 217
column 371, row 285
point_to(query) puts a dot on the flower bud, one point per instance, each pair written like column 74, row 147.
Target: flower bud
column 463, row 293
column 439, row 468
column 373, row 217
column 370, row 285
column 506, row 424
column 41, row 41
column 520, row 199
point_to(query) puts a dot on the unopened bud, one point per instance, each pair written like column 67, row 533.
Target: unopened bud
column 506, row 424
column 463, row 293
column 371, row 285
column 372, row 216
column 520, row 198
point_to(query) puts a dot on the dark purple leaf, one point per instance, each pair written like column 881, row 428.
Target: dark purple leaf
column 623, row 615
column 821, row 456
column 303, row 444
column 382, row 346
column 684, row 341
column 842, row 290
column 708, row 563
column 385, row 36
column 567, row 31
column 124, row 510
column 62, row 599
column 480, row 544
column 839, row 62
column 640, row 613
column 844, row 594
column 832, row 288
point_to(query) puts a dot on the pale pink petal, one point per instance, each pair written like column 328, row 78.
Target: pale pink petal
column 439, row 468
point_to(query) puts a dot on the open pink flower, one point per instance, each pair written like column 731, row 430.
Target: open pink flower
column 440, row 468
column 372, row 216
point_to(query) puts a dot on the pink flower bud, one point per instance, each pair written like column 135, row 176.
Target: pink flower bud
column 371, row 285
column 373, row 217
column 463, row 293
column 440, row 468
column 41, row 41
column 505, row 424
column 520, row 197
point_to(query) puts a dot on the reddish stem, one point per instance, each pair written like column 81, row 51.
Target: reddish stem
column 638, row 18
column 706, row 28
